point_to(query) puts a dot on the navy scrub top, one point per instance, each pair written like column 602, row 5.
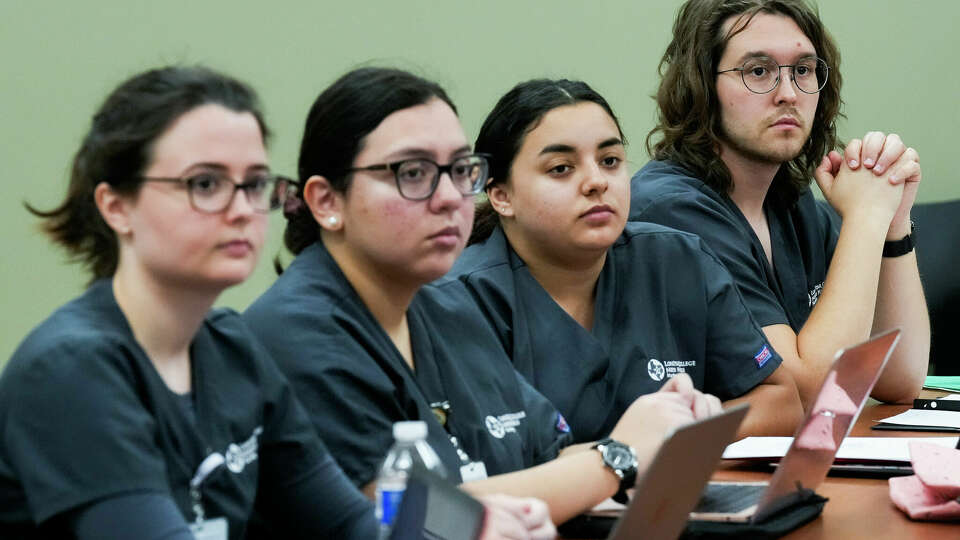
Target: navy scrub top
column 664, row 305
column 803, row 238
column 84, row 416
column 355, row 384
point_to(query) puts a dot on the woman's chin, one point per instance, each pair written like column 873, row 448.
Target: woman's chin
column 225, row 279
column 434, row 271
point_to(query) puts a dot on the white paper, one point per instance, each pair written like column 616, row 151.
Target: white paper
column 886, row 448
column 926, row 417
column 853, row 448
column 758, row 447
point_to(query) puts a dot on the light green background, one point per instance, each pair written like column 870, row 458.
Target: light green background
column 60, row 59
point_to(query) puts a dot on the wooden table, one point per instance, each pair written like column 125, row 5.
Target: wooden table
column 859, row 507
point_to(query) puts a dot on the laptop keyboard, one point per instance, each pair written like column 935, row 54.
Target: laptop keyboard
column 730, row 498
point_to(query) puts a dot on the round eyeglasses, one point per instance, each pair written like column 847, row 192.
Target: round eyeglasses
column 213, row 193
column 762, row 74
column 417, row 179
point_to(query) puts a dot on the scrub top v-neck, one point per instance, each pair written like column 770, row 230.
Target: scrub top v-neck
column 803, row 237
column 355, row 384
column 84, row 416
column 664, row 305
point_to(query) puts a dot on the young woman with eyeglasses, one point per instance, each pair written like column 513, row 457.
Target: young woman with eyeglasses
column 595, row 311
column 134, row 411
column 385, row 206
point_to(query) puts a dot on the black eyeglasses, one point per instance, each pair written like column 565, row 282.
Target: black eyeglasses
column 213, row 193
column 762, row 74
column 417, row 179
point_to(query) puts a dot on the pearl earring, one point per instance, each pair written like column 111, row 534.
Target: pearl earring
column 332, row 220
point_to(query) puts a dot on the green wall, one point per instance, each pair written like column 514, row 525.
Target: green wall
column 61, row 58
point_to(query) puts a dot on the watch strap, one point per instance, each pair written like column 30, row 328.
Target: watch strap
column 897, row 248
column 628, row 481
column 602, row 442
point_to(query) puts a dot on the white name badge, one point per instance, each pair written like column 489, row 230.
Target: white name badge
column 475, row 470
column 210, row 529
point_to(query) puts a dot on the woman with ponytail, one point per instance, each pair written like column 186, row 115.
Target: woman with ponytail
column 592, row 310
column 134, row 411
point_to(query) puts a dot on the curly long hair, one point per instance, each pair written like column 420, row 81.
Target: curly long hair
column 689, row 129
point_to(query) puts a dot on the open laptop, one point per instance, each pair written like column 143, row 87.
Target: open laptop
column 839, row 402
column 668, row 488
column 674, row 480
column 433, row 508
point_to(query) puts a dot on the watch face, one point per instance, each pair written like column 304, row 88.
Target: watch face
column 618, row 457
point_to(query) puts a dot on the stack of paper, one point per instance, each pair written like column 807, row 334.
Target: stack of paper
column 926, row 416
column 853, row 449
column 948, row 383
column 922, row 420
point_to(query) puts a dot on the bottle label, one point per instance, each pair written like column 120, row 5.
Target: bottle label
column 389, row 505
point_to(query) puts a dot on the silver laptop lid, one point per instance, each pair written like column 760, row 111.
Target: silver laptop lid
column 672, row 484
column 841, row 398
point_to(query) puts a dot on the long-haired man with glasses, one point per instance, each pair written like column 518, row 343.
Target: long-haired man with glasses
column 747, row 107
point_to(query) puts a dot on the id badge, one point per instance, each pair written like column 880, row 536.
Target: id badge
column 475, row 470
column 210, row 529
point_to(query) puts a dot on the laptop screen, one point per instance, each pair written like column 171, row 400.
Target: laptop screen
column 434, row 509
column 839, row 402
column 674, row 480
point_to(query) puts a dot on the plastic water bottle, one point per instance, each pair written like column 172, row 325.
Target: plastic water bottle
column 410, row 448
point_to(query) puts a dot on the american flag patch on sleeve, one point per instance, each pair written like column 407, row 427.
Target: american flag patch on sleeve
column 763, row 356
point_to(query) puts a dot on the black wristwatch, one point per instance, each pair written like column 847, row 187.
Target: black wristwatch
column 622, row 460
column 897, row 248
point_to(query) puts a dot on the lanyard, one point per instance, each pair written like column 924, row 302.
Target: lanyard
column 206, row 468
column 441, row 410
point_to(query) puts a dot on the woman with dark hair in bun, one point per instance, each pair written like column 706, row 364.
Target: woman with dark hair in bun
column 134, row 411
column 385, row 206
column 595, row 311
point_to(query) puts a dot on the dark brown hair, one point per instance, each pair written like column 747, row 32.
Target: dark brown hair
column 515, row 115
column 689, row 129
column 118, row 148
column 339, row 120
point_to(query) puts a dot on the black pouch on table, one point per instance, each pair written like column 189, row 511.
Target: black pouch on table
column 772, row 526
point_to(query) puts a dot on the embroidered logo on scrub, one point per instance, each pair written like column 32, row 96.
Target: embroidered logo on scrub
column 763, row 356
column 814, row 295
column 656, row 370
column 238, row 456
column 499, row 426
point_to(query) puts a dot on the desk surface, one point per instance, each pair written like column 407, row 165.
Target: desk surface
column 860, row 507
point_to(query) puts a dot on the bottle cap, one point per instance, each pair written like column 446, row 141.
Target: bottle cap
column 410, row 431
